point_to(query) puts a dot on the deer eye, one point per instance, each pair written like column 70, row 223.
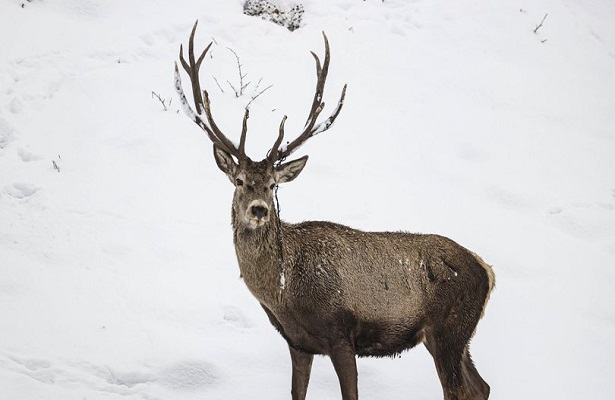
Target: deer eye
column 238, row 182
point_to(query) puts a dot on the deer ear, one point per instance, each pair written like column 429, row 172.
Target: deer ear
column 225, row 163
column 288, row 171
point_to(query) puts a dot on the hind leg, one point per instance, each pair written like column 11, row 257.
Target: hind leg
column 458, row 376
column 472, row 376
column 448, row 365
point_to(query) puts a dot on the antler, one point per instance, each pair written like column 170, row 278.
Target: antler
column 311, row 127
column 202, row 103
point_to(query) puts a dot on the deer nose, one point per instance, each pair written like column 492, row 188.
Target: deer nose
column 259, row 212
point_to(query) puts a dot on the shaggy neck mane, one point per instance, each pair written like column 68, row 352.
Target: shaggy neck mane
column 259, row 254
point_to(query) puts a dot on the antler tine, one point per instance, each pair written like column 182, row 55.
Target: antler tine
column 237, row 152
column 311, row 127
column 321, row 76
column 192, row 69
column 244, row 131
column 273, row 153
column 202, row 103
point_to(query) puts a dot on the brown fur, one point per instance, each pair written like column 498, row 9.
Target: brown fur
column 333, row 290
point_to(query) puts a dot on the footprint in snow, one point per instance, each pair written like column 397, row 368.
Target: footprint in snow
column 7, row 133
column 589, row 221
column 162, row 35
column 37, row 369
column 187, row 375
column 21, row 191
column 236, row 317
column 26, row 156
column 16, row 105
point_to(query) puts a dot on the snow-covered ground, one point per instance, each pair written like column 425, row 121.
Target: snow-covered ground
column 118, row 276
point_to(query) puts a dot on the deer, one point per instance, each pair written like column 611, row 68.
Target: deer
column 332, row 290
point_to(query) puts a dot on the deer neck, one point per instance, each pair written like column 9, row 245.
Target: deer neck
column 259, row 254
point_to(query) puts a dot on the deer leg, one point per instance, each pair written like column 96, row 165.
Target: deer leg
column 448, row 365
column 459, row 378
column 473, row 377
column 345, row 365
column 302, row 366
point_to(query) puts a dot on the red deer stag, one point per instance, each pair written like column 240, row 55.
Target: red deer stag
column 337, row 291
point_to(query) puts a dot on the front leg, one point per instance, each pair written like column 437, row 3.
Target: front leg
column 302, row 367
column 345, row 364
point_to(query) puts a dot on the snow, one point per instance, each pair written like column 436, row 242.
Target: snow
column 119, row 276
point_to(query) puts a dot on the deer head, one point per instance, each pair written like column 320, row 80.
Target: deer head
column 254, row 181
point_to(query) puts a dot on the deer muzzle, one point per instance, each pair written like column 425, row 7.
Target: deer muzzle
column 257, row 213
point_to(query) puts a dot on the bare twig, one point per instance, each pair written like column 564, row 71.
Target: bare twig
column 218, row 83
column 55, row 164
column 162, row 101
column 541, row 22
column 233, row 88
column 258, row 84
column 242, row 86
column 258, row 94
column 240, row 89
